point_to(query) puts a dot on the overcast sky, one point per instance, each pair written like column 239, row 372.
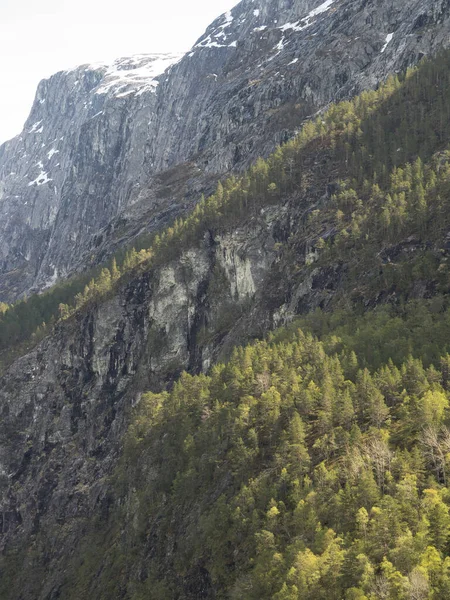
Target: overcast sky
column 38, row 38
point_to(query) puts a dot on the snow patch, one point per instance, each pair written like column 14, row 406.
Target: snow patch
column 387, row 41
column 208, row 43
column 280, row 45
column 41, row 179
column 52, row 152
column 228, row 19
column 306, row 21
column 34, row 128
column 320, row 9
column 123, row 95
column 134, row 75
column 215, row 39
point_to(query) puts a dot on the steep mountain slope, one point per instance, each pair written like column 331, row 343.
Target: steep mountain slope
column 74, row 166
column 246, row 85
column 344, row 215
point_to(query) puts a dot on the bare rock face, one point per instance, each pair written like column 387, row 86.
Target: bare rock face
column 98, row 135
column 76, row 165
column 264, row 67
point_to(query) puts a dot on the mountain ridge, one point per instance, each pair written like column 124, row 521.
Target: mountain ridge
column 223, row 104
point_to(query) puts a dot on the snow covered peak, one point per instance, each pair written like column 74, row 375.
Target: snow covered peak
column 132, row 75
column 135, row 74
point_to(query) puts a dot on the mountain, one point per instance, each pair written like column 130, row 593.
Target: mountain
column 60, row 178
column 245, row 86
column 309, row 464
column 319, row 224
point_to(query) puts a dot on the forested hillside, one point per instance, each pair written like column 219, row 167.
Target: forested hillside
column 311, row 465
column 290, row 472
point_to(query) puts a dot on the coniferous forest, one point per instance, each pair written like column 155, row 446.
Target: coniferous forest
column 329, row 479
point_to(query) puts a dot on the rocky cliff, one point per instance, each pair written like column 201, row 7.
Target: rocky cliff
column 83, row 173
column 74, row 167
column 66, row 405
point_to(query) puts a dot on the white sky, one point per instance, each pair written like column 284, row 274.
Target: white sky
column 40, row 37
